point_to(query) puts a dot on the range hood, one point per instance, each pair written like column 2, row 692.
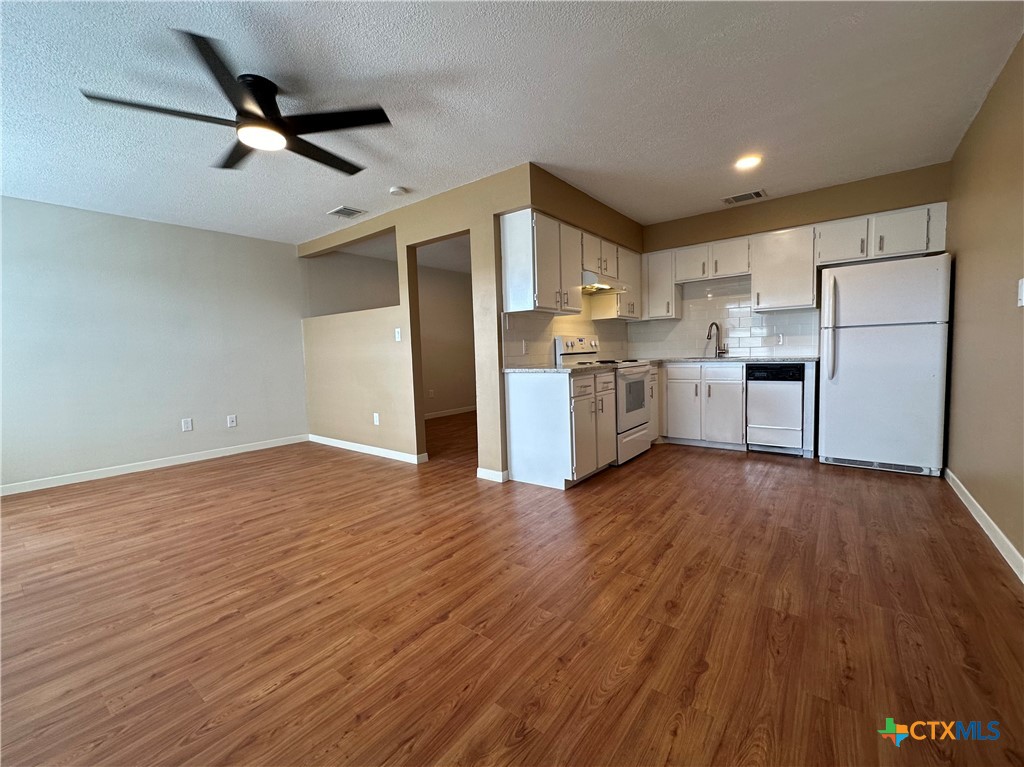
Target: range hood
column 599, row 283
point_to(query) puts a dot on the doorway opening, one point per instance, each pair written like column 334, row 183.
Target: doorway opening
column 447, row 355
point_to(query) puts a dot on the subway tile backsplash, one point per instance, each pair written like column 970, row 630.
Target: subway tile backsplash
column 746, row 333
column 528, row 337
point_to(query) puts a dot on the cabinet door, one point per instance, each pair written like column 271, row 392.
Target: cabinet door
column 630, row 273
column 899, row 233
column 547, row 263
column 609, row 259
column 607, row 444
column 682, row 409
column 660, row 296
column 584, row 436
column 722, row 418
column 839, row 241
column 591, row 253
column 571, row 261
column 782, row 269
column 730, row 257
column 692, row 263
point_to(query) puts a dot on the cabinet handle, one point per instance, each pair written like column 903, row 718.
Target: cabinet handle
column 558, row 298
column 566, row 298
column 758, row 301
column 652, row 391
column 881, row 243
column 601, row 402
column 709, row 391
column 716, row 266
column 696, row 392
column 668, row 309
column 593, row 407
column 862, row 246
column 704, row 268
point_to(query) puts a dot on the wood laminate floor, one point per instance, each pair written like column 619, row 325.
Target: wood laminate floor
column 307, row 605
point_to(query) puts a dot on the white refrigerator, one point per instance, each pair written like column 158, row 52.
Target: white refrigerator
column 882, row 394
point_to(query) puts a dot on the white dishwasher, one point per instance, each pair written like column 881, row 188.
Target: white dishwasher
column 775, row 408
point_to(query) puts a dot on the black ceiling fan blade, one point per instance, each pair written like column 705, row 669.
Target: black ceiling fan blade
column 315, row 153
column 158, row 110
column 319, row 122
column 235, row 155
column 237, row 94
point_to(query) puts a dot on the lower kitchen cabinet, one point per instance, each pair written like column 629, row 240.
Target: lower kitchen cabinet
column 561, row 427
column 704, row 403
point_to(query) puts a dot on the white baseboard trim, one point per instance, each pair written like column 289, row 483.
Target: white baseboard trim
column 453, row 411
column 357, row 447
column 1013, row 557
column 157, row 463
column 491, row 475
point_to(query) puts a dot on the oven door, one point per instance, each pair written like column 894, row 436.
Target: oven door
column 633, row 407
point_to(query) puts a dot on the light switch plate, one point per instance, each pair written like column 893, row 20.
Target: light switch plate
column 1020, row 292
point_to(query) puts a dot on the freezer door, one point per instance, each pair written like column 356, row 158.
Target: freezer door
column 885, row 400
column 914, row 290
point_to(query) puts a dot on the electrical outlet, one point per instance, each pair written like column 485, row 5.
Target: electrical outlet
column 376, row 419
column 186, row 424
column 232, row 421
column 430, row 394
column 398, row 334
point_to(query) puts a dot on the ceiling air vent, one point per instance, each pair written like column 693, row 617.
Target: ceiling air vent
column 736, row 199
column 346, row 212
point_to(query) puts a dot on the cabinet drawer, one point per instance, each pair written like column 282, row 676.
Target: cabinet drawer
column 605, row 382
column 719, row 372
column 582, row 386
column 684, row 372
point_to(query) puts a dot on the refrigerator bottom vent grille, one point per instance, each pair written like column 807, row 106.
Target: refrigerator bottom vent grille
column 905, row 468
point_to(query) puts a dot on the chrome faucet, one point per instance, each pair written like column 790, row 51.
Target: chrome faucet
column 720, row 350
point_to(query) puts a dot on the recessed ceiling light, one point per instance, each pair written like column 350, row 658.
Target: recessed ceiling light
column 748, row 161
column 261, row 137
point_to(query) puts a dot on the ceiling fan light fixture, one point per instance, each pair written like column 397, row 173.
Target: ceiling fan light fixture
column 261, row 137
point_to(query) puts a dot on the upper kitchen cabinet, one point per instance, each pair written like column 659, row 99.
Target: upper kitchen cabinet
column 782, row 269
column 609, row 259
column 627, row 304
column 692, row 263
column 592, row 253
column 659, row 290
column 532, row 268
column 840, row 241
column 729, row 257
column 571, row 261
column 908, row 231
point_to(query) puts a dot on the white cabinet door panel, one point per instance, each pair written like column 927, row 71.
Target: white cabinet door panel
column 730, row 257
column 839, row 241
column 584, row 436
column 571, row 261
column 682, row 409
column 591, row 253
column 899, row 233
column 609, row 259
column 782, row 269
column 722, row 418
column 692, row 263
column 661, row 289
column 547, row 262
column 606, row 438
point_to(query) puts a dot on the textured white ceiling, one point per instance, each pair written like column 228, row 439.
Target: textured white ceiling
column 644, row 106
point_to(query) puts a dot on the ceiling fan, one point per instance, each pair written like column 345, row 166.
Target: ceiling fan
column 258, row 121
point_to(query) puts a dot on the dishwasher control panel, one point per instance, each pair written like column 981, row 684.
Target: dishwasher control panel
column 775, row 372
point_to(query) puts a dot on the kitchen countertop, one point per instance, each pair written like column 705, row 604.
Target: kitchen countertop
column 590, row 369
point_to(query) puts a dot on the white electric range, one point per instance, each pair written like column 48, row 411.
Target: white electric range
column 632, row 402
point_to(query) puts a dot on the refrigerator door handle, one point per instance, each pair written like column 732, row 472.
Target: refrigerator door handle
column 833, row 295
column 831, row 337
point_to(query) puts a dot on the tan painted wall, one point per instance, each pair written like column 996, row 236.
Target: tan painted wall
column 446, row 338
column 340, row 410
column 870, row 195
column 343, row 282
column 550, row 194
column 986, row 235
